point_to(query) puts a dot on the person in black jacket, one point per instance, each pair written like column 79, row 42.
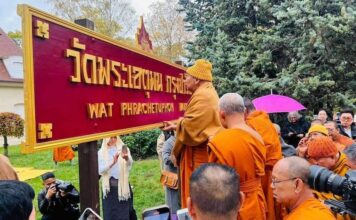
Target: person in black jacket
column 295, row 129
column 58, row 199
column 347, row 127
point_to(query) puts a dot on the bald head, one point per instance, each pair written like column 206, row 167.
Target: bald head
column 294, row 167
column 231, row 103
column 316, row 122
column 332, row 129
column 215, row 190
column 331, row 123
column 290, row 182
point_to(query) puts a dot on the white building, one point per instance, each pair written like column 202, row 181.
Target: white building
column 11, row 80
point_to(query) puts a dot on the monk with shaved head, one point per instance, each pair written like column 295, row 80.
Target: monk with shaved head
column 340, row 140
column 259, row 121
column 214, row 193
column 241, row 147
column 290, row 188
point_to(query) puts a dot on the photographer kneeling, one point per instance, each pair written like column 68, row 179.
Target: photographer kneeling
column 58, row 200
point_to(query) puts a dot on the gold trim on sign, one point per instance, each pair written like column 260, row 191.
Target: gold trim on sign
column 83, row 30
column 29, row 98
column 86, row 138
column 26, row 12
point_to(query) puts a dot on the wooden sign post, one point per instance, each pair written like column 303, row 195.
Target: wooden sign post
column 88, row 162
column 88, row 176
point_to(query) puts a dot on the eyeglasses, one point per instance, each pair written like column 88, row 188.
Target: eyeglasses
column 274, row 181
column 346, row 118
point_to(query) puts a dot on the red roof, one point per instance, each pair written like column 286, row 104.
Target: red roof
column 7, row 48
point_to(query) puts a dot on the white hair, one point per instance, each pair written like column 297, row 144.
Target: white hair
column 231, row 103
column 296, row 114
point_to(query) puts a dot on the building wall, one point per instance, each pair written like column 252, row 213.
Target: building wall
column 12, row 100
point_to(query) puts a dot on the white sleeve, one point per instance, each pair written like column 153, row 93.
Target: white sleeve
column 102, row 167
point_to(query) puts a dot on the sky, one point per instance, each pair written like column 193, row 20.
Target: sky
column 10, row 21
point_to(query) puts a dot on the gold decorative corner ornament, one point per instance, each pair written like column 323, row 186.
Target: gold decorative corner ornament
column 42, row 29
column 44, row 130
column 147, row 94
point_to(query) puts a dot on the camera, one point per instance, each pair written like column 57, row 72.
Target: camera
column 64, row 187
column 323, row 180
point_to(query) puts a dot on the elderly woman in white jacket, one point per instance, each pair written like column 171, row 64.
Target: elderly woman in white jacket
column 115, row 162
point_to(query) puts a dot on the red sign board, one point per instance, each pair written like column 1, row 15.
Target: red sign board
column 82, row 86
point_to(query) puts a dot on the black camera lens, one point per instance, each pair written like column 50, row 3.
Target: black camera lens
column 323, row 180
column 318, row 178
column 64, row 186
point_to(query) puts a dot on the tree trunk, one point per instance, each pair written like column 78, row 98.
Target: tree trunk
column 6, row 153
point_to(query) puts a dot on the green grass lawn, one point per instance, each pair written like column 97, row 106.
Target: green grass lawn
column 144, row 176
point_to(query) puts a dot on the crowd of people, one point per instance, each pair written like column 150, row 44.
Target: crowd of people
column 223, row 159
column 272, row 161
column 59, row 200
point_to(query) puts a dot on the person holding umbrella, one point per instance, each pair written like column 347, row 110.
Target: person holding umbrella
column 295, row 129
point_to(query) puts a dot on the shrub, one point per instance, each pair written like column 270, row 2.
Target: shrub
column 142, row 144
column 11, row 124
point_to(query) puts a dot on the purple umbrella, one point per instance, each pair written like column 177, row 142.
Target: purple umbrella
column 277, row 103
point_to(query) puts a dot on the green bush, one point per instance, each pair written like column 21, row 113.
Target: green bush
column 11, row 124
column 142, row 144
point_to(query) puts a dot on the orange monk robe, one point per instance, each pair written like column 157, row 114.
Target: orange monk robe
column 63, row 153
column 260, row 121
column 200, row 121
column 237, row 148
column 310, row 209
column 340, row 147
column 342, row 140
column 341, row 169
